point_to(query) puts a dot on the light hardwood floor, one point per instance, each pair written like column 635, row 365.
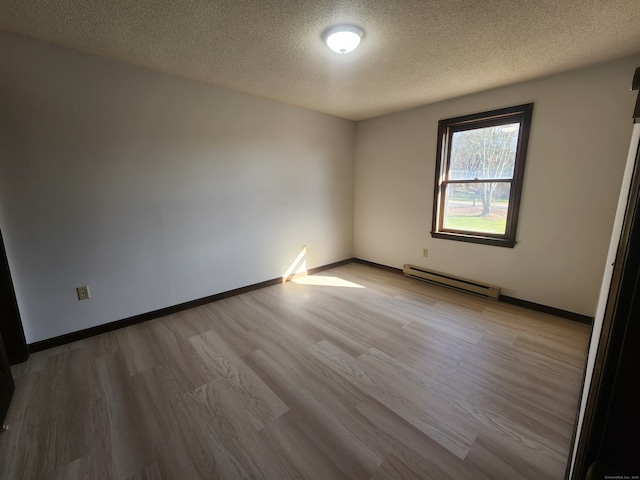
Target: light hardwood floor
column 353, row 373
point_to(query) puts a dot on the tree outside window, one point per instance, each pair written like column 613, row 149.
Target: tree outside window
column 479, row 176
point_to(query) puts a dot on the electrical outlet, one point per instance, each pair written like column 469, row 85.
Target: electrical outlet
column 425, row 252
column 83, row 292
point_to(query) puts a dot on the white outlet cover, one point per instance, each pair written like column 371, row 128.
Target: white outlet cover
column 83, row 292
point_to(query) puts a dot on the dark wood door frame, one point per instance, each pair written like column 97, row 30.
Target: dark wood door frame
column 610, row 438
column 10, row 323
column 7, row 387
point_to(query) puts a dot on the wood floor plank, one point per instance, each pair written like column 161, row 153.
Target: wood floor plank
column 485, row 460
column 527, row 390
column 414, row 446
column 570, row 354
column 338, row 444
column 221, row 430
column 296, row 376
column 395, row 469
column 260, row 403
column 181, row 358
column 419, row 411
column 139, row 348
column 330, row 325
column 93, row 465
column 215, row 443
column 491, row 397
column 301, row 450
column 117, row 419
column 498, row 458
column 355, row 373
column 161, row 402
column 222, row 320
column 188, row 323
column 322, row 413
column 31, row 396
column 286, row 331
column 151, row 472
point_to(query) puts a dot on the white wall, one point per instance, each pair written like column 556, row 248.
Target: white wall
column 577, row 151
column 155, row 190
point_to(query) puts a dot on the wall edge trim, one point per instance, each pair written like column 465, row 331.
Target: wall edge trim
column 162, row 312
column 558, row 312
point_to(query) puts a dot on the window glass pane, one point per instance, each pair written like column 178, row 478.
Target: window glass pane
column 480, row 153
column 477, row 207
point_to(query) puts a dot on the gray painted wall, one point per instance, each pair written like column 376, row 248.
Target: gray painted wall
column 155, row 190
column 577, row 150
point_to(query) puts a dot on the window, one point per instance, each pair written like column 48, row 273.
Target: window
column 479, row 172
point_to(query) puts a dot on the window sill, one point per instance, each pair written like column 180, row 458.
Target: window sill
column 475, row 238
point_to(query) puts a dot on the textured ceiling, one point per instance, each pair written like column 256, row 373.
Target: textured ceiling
column 413, row 52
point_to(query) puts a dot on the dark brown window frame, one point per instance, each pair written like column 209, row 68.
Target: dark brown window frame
column 446, row 128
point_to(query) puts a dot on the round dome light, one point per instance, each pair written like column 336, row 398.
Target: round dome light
column 343, row 38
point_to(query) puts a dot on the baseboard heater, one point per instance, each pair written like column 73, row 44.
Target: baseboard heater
column 457, row 283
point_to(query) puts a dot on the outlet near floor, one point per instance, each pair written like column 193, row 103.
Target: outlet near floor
column 83, row 292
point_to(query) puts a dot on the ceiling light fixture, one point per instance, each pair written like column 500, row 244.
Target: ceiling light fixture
column 343, row 38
